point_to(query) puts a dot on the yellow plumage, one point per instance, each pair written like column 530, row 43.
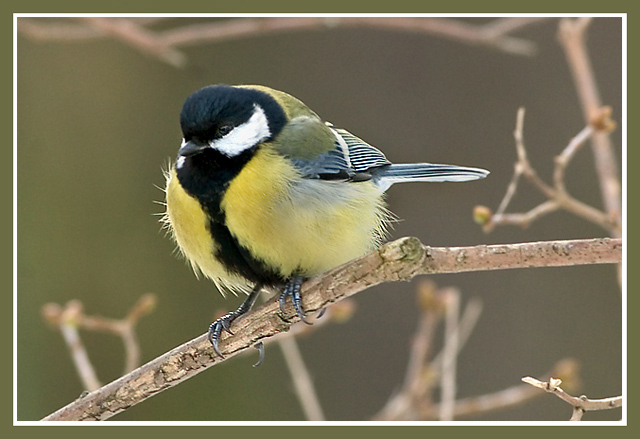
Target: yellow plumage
column 302, row 227
column 295, row 226
column 188, row 225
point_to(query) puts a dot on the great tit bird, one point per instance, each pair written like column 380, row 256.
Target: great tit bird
column 264, row 194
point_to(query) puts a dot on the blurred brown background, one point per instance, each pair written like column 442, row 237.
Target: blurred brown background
column 97, row 122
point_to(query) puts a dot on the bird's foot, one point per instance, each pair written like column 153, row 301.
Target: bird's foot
column 216, row 328
column 292, row 290
column 224, row 322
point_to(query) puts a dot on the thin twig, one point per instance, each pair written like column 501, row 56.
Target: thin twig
column 512, row 396
column 71, row 317
column 418, row 381
column 524, row 219
column 572, row 36
column 467, row 322
column 59, row 31
column 414, row 399
column 580, row 404
column 562, row 160
column 478, row 405
column 302, row 381
column 511, row 189
column 79, row 354
column 402, row 259
column 486, row 34
column 503, row 26
column 139, row 37
column 449, row 355
column 558, row 197
column 422, row 375
column 165, row 44
column 431, row 305
column 523, row 159
column 300, row 376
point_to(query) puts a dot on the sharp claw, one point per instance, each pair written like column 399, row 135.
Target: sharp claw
column 300, row 312
column 215, row 348
column 214, row 336
column 292, row 290
column 260, row 347
column 296, row 299
column 224, row 323
column 321, row 313
column 216, row 328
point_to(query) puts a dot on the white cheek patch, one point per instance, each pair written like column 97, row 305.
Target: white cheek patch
column 244, row 136
column 180, row 162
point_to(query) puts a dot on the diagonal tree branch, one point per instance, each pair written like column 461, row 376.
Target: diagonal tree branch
column 402, row 259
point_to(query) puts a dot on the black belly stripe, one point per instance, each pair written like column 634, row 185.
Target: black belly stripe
column 237, row 259
column 206, row 177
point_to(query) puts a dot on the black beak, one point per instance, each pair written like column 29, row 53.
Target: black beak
column 191, row 148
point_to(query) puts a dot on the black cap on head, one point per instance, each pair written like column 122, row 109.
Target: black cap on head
column 212, row 111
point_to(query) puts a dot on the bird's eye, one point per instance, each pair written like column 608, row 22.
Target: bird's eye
column 224, row 130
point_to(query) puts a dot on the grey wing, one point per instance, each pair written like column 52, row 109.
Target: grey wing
column 351, row 159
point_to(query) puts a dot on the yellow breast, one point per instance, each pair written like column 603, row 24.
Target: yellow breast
column 295, row 226
column 301, row 226
column 190, row 229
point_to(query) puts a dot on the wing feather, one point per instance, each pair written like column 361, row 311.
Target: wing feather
column 350, row 159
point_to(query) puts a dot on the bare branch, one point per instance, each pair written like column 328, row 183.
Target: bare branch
column 572, row 36
column 301, row 378
column 492, row 34
column 414, row 398
column 562, row 160
column 558, row 197
column 503, row 26
column 512, row 396
column 476, row 405
column 56, row 30
column 466, row 324
column 431, row 305
column 449, row 355
column 402, row 259
column 164, row 44
column 71, row 317
column 139, row 37
column 525, row 218
column 69, row 327
column 580, row 404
